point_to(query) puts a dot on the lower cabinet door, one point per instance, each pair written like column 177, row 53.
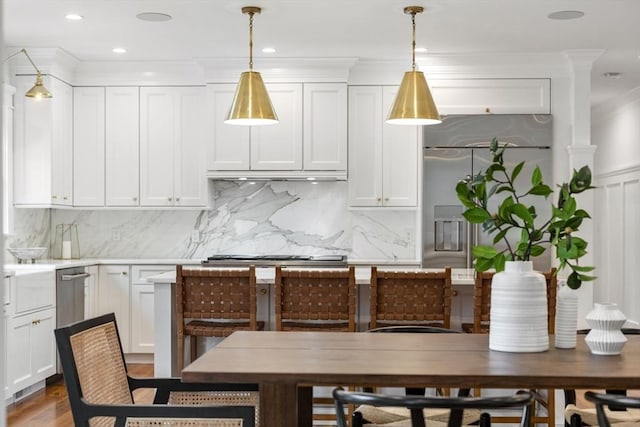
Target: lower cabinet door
column 31, row 349
column 142, row 328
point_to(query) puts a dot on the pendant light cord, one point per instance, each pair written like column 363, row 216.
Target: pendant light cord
column 413, row 43
column 250, row 41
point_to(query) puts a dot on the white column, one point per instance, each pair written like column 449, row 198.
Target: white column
column 581, row 153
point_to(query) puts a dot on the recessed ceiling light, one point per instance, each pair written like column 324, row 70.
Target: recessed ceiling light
column 420, row 49
column 269, row 50
column 119, row 50
column 612, row 75
column 566, row 14
column 74, row 17
column 154, row 16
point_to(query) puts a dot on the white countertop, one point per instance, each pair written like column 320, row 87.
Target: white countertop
column 459, row 276
column 266, row 275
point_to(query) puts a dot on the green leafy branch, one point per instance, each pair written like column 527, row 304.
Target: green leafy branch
column 513, row 214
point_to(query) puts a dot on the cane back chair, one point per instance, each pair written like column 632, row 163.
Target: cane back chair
column 100, row 389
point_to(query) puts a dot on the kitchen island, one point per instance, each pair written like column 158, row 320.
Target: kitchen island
column 164, row 304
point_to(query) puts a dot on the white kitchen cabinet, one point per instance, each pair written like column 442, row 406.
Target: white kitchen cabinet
column 325, row 126
column 88, row 146
column 122, row 146
column 142, row 306
column 8, row 279
column 30, row 316
column 497, row 96
column 31, row 349
column 172, row 150
column 278, row 147
column 311, row 134
column 142, row 328
column 43, row 145
column 229, row 148
column 383, row 158
column 113, row 296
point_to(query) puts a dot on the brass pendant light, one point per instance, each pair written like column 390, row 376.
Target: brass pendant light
column 251, row 104
column 414, row 104
column 38, row 90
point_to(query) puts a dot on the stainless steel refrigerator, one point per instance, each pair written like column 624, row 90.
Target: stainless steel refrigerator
column 457, row 149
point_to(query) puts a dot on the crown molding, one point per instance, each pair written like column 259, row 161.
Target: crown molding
column 279, row 70
column 54, row 61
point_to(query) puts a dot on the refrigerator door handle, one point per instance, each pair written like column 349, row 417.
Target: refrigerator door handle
column 472, row 236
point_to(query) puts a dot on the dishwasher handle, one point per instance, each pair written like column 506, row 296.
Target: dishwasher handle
column 74, row 276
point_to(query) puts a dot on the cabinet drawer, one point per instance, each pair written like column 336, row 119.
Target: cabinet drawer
column 139, row 273
column 33, row 291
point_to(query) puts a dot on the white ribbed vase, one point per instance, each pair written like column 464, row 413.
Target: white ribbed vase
column 518, row 309
column 605, row 336
column 566, row 316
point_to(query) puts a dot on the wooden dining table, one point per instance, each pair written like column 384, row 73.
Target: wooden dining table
column 287, row 364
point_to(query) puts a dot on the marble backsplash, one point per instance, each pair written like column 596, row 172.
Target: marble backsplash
column 269, row 217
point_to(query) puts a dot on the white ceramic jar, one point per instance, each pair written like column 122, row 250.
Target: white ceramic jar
column 605, row 336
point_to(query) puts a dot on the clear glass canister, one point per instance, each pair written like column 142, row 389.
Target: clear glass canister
column 65, row 244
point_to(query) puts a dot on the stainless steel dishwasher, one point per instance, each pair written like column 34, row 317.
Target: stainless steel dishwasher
column 69, row 297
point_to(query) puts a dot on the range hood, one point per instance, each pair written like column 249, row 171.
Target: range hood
column 278, row 175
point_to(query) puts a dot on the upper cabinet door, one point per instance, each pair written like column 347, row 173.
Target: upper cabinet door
column 62, row 143
column 190, row 179
column 365, row 145
column 158, row 129
column 278, row 146
column 497, row 96
column 325, row 126
column 172, row 152
column 228, row 145
column 383, row 158
column 43, row 145
column 122, row 149
column 88, row 146
column 400, row 154
column 32, row 146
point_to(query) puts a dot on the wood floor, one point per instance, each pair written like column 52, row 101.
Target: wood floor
column 50, row 407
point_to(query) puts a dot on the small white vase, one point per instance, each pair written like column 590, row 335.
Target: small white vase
column 605, row 336
column 518, row 309
column 566, row 316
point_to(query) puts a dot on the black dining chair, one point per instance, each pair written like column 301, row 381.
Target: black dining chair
column 100, row 389
column 369, row 414
column 417, row 404
column 612, row 402
column 578, row 414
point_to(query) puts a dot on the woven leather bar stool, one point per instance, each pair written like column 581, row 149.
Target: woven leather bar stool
column 214, row 303
column 410, row 298
column 316, row 300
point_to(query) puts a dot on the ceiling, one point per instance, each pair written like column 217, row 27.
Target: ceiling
column 366, row 29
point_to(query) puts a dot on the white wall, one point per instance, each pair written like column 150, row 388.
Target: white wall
column 616, row 132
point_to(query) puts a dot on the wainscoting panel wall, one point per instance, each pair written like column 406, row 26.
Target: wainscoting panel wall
column 617, row 244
